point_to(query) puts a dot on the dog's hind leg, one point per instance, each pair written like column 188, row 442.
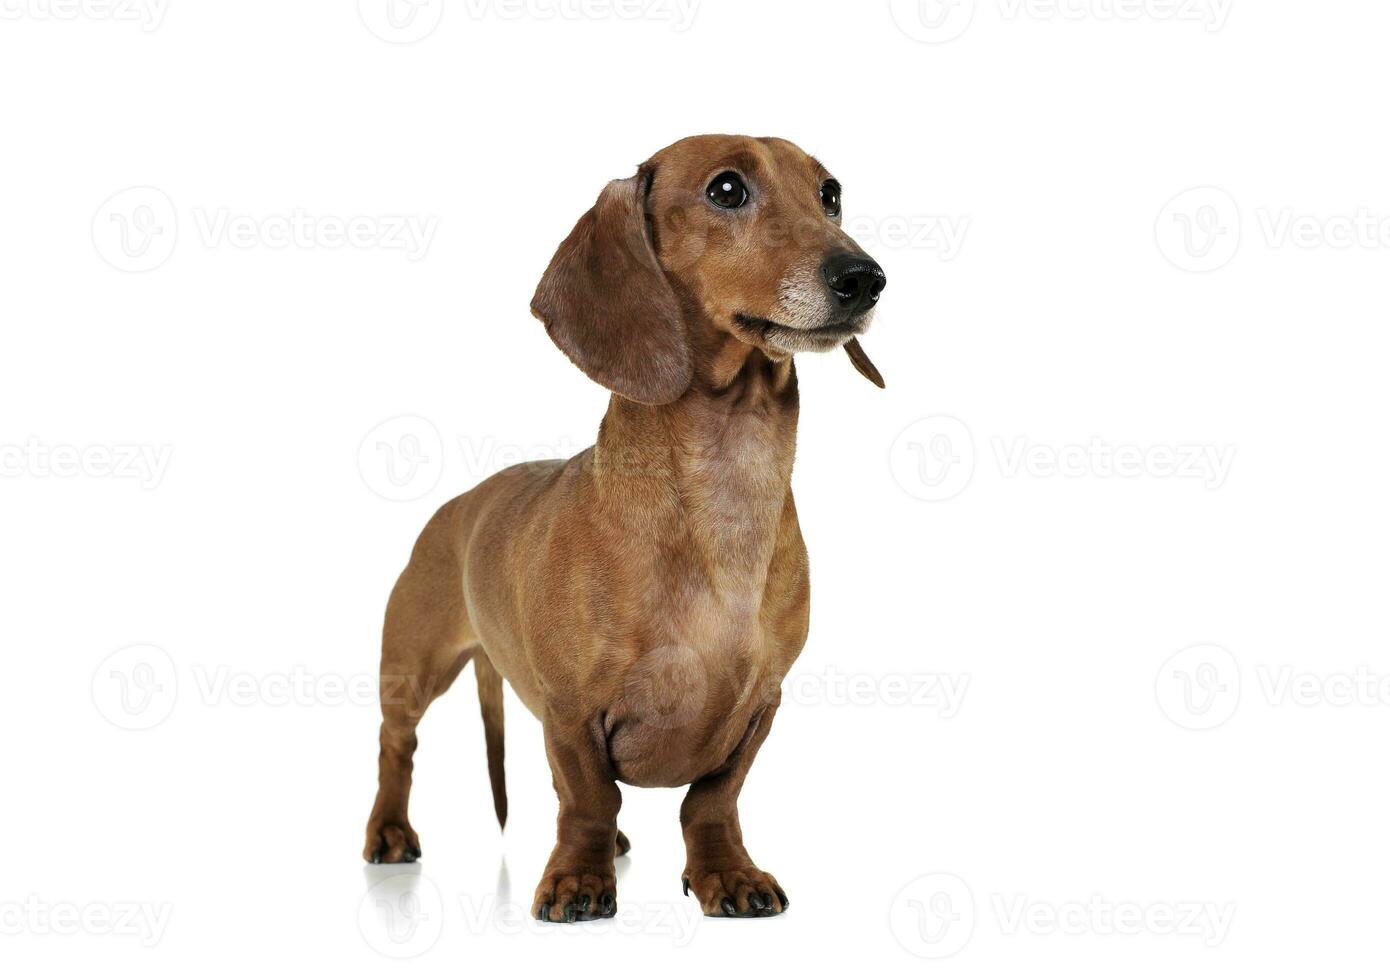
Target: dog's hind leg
column 426, row 642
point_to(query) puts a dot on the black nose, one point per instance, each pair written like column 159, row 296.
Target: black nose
column 856, row 280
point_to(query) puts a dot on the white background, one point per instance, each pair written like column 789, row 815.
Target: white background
column 1082, row 321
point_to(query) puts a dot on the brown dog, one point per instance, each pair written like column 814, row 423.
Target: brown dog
column 645, row 598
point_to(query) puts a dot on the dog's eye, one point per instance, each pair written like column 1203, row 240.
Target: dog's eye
column 727, row 191
column 830, row 197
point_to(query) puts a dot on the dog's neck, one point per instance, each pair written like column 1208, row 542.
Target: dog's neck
column 713, row 468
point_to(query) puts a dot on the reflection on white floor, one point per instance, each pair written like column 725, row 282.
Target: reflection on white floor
column 404, row 911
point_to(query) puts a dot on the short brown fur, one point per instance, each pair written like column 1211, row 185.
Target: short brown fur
column 645, row 598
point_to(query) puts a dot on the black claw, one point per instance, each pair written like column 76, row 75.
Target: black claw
column 685, row 885
column 571, row 912
column 376, row 856
column 584, row 902
column 728, row 906
column 544, row 913
column 606, row 904
column 782, row 897
column 767, row 901
column 755, row 902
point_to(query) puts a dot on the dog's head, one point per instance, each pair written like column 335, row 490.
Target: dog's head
column 728, row 236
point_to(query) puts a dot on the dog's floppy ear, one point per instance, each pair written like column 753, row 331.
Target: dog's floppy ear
column 861, row 362
column 607, row 304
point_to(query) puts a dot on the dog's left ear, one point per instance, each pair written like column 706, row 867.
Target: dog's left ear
column 606, row 301
column 861, row 362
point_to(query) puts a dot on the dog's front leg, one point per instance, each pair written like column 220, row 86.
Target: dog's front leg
column 579, row 882
column 717, row 867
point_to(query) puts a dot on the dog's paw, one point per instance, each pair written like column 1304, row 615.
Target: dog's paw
column 576, row 895
column 391, row 843
column 737, row 893
column 623, row 845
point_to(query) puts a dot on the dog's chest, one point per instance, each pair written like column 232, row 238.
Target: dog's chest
column 708, row 558
column 710, row 659
column 683, row 710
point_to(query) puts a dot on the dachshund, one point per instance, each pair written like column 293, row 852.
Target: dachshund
column 645, row 598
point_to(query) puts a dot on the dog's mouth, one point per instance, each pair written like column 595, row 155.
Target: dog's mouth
column 793, row 340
